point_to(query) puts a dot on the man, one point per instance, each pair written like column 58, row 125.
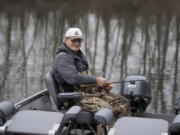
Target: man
column 70, row 70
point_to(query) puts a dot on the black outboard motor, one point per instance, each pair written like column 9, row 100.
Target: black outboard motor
column 137, row 90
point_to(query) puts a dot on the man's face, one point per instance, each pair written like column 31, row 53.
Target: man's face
column 74, row 45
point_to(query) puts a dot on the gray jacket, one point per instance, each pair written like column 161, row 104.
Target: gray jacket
column 66, row 67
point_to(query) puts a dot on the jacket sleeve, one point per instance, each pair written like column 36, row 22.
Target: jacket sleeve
column 65, row 66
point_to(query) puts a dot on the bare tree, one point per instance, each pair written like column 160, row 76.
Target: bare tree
column 175, row 86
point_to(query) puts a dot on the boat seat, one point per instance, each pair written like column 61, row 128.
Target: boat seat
column 139, row 126
column 60, row 98
column 175, row 126
column 37, row 122
column 103, row 116
column 6, row 111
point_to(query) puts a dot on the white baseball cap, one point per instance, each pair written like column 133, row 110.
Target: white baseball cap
column 73, row 33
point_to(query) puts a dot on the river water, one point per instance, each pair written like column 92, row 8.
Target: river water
column 120, row 38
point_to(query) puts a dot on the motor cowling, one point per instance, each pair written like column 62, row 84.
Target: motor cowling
column 137, row 89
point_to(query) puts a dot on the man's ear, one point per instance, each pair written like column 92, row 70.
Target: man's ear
column 65, row 39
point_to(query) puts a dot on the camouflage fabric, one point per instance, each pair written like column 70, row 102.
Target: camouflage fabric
column 95, row 98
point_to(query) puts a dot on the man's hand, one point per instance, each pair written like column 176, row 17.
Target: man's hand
column 108, row 87
column 101, row 82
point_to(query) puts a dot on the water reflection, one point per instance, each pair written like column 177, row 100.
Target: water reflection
column 120, row 38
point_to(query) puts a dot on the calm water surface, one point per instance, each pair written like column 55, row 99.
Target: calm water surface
column 120, row 38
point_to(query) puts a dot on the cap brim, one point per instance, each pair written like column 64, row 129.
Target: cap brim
column 72, row 38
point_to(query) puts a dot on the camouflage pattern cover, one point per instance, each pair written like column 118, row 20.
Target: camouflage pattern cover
column 95, row 98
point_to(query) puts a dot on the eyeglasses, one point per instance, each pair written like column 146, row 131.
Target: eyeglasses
column 77, row 40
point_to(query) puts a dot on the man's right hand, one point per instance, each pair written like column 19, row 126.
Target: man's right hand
column 101, row 82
